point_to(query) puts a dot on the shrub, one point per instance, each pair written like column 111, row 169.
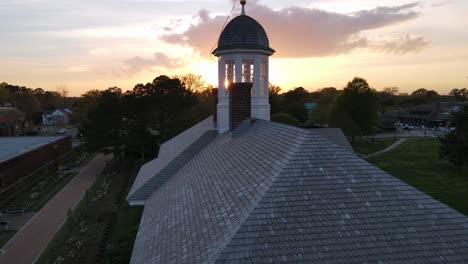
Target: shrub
column 286, row 119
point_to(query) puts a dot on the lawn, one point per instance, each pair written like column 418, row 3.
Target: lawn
column 417, row 162
column 124, row 232
column 5, row 236
column 368, row 147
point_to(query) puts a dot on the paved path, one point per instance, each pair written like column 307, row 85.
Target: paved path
column 30, row 241
column 394, row 145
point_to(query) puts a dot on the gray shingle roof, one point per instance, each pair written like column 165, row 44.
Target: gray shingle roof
column 275, row 193
column 168, row 151
column 243, row 32
column 334, row 135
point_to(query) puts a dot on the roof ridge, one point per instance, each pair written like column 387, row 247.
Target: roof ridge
column 155, row 182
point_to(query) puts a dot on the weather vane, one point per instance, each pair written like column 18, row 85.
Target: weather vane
column 243, row 2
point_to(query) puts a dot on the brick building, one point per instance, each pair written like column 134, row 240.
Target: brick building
column 20, row 156
column 13, row 122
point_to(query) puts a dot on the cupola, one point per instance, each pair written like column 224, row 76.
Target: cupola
column 243, row 51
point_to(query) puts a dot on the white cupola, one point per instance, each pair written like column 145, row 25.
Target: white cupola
column 243, row 51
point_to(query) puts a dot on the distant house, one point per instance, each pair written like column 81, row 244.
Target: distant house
column 56, row 117
column 13, row 122
column 435, row 114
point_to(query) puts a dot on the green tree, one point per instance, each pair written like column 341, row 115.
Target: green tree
column 169, row 99
column 454, row 146
column 4, row 93
column 87, row 103
column 355, row 109
column 425, row 92
column 321, row 113
column 293, row 103
column 459, row 94
column 26, row 102
column 286, row 119
column 103, row 128
column 275, row 98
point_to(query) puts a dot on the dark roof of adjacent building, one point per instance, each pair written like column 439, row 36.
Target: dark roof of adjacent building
column 10, row 114
column 11, row 147
column 243, row 32
column 48, row 111
column 274, row 193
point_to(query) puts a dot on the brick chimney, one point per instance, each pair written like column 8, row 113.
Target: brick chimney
column 214, row 108
column 239, row 104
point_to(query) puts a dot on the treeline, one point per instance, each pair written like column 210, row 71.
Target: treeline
column 140, row 120
column 32, row 101
column 355, row 108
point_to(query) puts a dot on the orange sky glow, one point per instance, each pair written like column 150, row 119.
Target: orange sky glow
column 88, row 44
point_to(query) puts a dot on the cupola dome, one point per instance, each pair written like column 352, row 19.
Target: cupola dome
column 243, row 32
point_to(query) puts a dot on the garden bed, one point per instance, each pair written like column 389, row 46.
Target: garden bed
column 102, row 225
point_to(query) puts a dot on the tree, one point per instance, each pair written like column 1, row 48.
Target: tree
column 286, row 119
column 102, row 130
column 192, row 82
column 275, row 98
column 165, row 99
column 425, row 92
column 4, row 94
column 454, row 146
column 293, row 103
column 27, row 102
column 391, row 90
column 459, row 94
column 355, row 109
column 87, row 103
column 321, row 112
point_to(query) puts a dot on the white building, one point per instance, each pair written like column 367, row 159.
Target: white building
column 55, row 117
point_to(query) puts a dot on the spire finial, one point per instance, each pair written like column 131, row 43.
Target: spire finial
column 243, row 2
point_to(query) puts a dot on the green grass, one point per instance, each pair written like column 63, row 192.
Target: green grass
column 368, row 147
column 5, row 236
column 417, row 162
column 124, row 232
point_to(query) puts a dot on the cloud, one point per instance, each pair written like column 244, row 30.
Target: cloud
column 297, row 32
column 99, row 51
column 401, row 45
column 138, row 64
column 443, row 3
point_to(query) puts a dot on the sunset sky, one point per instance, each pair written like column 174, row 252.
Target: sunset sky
column 95, row 44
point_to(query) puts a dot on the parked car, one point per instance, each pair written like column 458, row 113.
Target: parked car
column 62, row 131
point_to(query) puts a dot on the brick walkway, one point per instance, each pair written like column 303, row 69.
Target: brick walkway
column 30, row 241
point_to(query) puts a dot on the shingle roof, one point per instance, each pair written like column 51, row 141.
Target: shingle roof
column 274, row 193
column 169, row 151
column 10, row 114
column 243, row 32
column 334, row 135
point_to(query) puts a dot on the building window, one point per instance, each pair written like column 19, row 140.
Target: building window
column 263, row 81
column 247, row 71
column 229, row 72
